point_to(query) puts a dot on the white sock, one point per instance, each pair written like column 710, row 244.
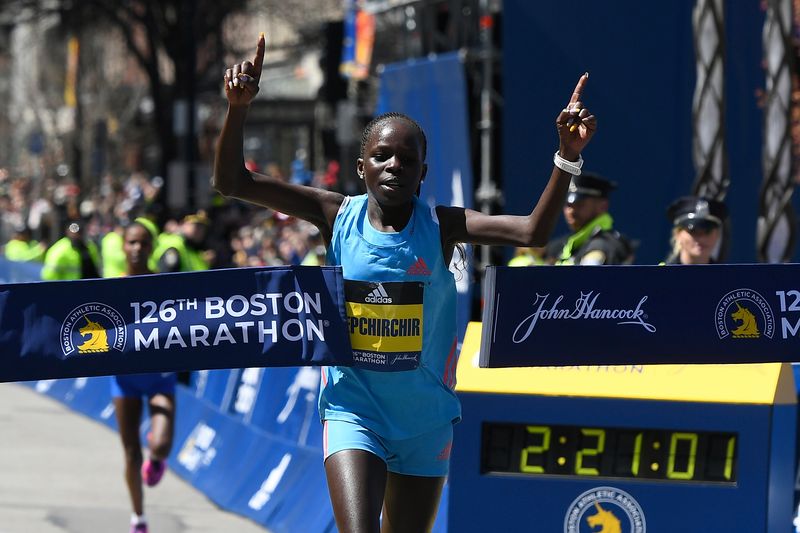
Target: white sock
column 137, row 519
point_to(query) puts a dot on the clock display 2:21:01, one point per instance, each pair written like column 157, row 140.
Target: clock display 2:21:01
column 653, row 454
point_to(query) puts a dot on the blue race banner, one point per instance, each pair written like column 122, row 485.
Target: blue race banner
column 253, row 317
column 540, row 316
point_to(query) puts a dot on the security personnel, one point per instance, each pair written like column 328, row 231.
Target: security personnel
column 72, row 257
column 526, row 257
column 112, row 253
column 183, row 252
column 696, row 229
column 22, row 247
column 594, row 240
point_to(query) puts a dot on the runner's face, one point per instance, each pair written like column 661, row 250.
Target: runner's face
column 137, row 246
column 392, row 165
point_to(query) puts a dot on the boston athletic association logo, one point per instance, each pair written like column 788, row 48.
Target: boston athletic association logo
column 604, row 510
column 92, row 328
column 744, row 314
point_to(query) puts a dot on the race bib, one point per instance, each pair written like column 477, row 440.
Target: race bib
column 385, row 324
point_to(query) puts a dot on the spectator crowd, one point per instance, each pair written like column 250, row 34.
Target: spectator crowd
column 37, row 213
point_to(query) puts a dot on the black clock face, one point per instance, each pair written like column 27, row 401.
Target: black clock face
column 639, row 453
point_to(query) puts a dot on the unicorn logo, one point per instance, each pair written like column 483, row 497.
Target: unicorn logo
column 748, row 327
column 605, row 519
column 92, row 328
column 608, row 508
column 97, row 341
column 744, row 314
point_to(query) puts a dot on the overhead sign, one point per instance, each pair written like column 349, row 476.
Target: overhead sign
column 539, row 316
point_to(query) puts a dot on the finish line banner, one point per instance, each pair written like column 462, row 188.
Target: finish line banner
column 543, row 316
column 234, row 318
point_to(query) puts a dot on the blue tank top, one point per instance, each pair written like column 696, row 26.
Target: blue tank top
column 394, row 404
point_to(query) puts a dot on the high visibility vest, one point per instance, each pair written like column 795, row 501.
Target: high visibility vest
column 113, row 254
column 19, row 250
column 62, row 261
column 191, row 259
column 524, row 261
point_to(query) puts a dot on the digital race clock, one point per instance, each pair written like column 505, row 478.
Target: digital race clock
column 626, row 448
column 652, row 454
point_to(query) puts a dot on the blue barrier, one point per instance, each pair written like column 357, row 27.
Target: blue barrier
column 18, row 272
column 90, row 396
column 241, row 392
column 280, row 401
column 213, row 385
column 242, row 468
column 284, row 402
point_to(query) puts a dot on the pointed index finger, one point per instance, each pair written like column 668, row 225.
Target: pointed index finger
column 576, row 94
column 258, row 60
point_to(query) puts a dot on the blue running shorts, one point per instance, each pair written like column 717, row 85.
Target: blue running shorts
column 139, row 385
column 425, row 455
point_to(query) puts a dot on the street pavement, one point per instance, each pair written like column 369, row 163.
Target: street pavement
column 61, row 472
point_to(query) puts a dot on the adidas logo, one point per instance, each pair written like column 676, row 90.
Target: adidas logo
column 419, row 268
column 378, row 296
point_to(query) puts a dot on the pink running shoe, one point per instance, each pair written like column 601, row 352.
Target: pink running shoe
column 139, row 528
column 152, row 471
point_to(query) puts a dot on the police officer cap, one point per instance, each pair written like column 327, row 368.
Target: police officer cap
column 589, row 185
column 689, row 212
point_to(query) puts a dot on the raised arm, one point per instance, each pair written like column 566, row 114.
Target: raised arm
column 575, row 126
column 231, row 177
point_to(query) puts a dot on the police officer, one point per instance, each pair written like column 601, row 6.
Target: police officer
column 696, row 229
column 22, row 246
column 72, row 257
column 594, row 240
column 184, row 252
column 112, row 253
